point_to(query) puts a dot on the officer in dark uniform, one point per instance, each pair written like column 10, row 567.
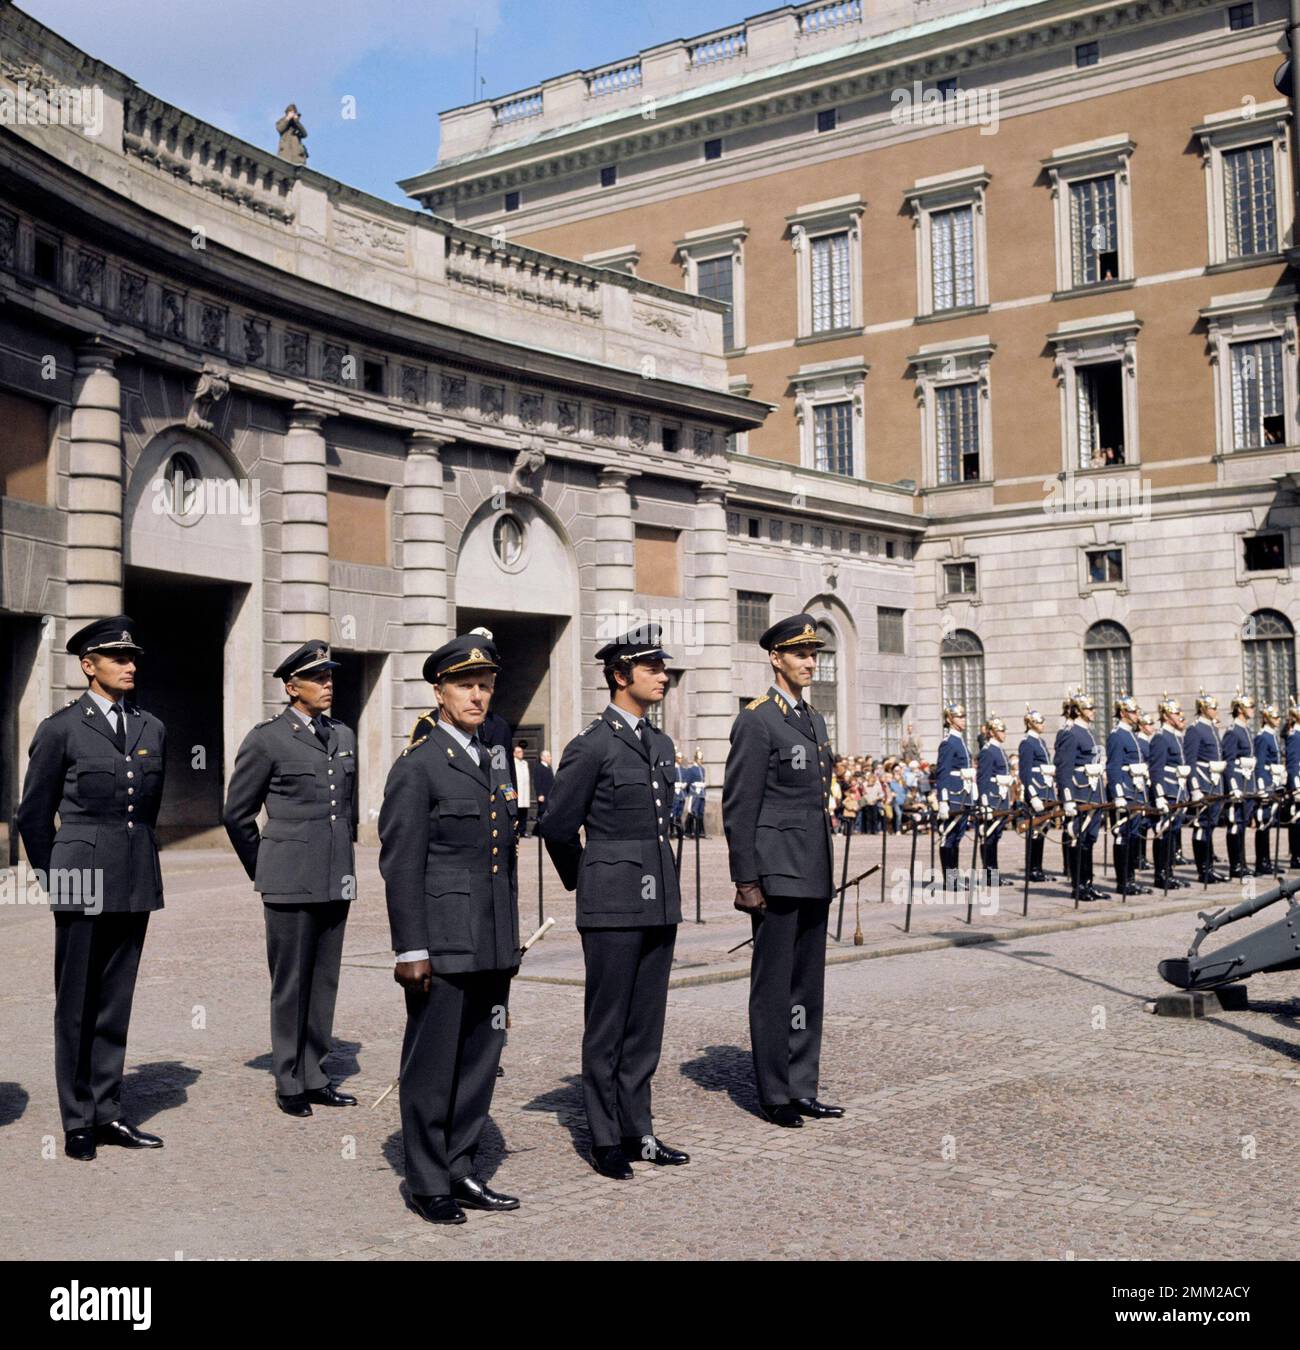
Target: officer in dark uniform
column 1126, row 785
column 1270, row 786
column 1079, row 774
column 1169, row 774
column 615, row 780
column 993, row 783
column 1204, row 754
column 1038, row 778
column 1238, row 745
column 954, row 783
column 99, row 763
column 302, row 766
column 447, row 832
column 775, row 812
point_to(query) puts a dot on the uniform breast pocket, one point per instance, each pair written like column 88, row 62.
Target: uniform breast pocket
column 459, row 821
column 448, row 901
column 297, row 782
column 96, row 779
column 792, row 765
column 631, row 791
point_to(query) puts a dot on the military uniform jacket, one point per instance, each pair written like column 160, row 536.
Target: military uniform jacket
column 304, row 855
column 1123, row 751
column 1267, row 754
column 447, row 856
column 992, row 765
column 1166, row 759
column 774, row 800
column 107, row 802
column 954, row 755
column 1075, row 750
column 1200, row 748
column 1293, row 759
column 1237, row 745
column 619, row 787
column 1033, row 759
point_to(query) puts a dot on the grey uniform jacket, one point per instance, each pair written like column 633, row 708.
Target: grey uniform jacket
column 774, row 800
column 447, row 856
column 620, row 787
column 107, row 802
column 304, row 855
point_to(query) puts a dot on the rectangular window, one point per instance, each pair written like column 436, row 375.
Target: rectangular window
column 947, row 87
column 1100, row 412
column 45, row 261
column 1250, row 203
column 608, row 175
column 952, row 257
column 1264, row 553
column 796, row 535
column 831, row 301
column 833, row 438
column 1094, row 231
column 826, row 119
column 889, row 548
column 372, row 377
column 958, row 430
column 713, row 148
column 1087, row 54
column 751, row 527
column 891, row 728
column 512, row 201
column 889, row 630
column 1257, row 411
column 670, row 439
column 715, row 277
column 1241, row 16
column 753, row 615
column 959, row 578
column 1105, row 565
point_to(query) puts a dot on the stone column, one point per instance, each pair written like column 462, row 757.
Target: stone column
column 713, row 704
column 424, row 573
column 304, row 532
column 94, row 549
column 615, row 575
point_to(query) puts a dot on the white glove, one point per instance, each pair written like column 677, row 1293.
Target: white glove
column 1037, row 804
column 943, row 809
column 1197, row 794
column 1070, row 809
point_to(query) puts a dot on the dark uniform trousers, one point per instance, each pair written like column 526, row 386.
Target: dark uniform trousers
column 302, row 865
column 618, row 788
column 774, row 812
column 623, row 1031
column 106, row 794
column 447, row 833
column 450, row 1052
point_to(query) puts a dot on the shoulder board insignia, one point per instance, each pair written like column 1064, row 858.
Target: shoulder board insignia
column 268, row 722
column 781, row 704
column 755, row 702
column 416, row 744
column 344, row 753
column 415, row 730
column 592, row 727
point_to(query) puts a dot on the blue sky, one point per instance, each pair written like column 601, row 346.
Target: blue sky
column 236, row 63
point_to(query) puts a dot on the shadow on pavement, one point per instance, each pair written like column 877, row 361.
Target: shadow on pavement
column 724, row 1068
column 13, row 1102
column 151, row 1089
column 342, row 1059
column 566, row 1103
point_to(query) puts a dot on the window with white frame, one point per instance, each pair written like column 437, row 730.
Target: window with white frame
column 1247, row 181
column 829, row 414
column 1252, row 344
column 712, row 263
column 1096, row 371
column 827, row 242
column 951, row 248
column 1093, row 212
column 952, row 385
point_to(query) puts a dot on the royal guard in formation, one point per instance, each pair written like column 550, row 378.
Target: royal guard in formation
column 993, row 783
column 1080, row 775
column 954, row 785
column 1038, row 784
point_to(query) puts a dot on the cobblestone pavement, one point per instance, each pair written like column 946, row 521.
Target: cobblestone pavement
column 1007, row 1099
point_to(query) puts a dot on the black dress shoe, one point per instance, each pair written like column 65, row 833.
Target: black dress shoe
column 783, row 1114
column 329, row 1095
column 80, row 1144
column 612, row 1162
column 810, row 1106
column 647, row 1148
column 293, row 1104
column 475, row 1195
column 437, row 1208
column 125, row 1134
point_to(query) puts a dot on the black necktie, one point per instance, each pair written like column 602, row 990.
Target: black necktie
column 115, row 721
column 321, row 734
column 481, row 750
column 640, row 722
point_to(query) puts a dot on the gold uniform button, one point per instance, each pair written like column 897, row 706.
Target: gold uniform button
column 494, row 867
column 494, row 834
column 496, row 850
column 494, row 815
